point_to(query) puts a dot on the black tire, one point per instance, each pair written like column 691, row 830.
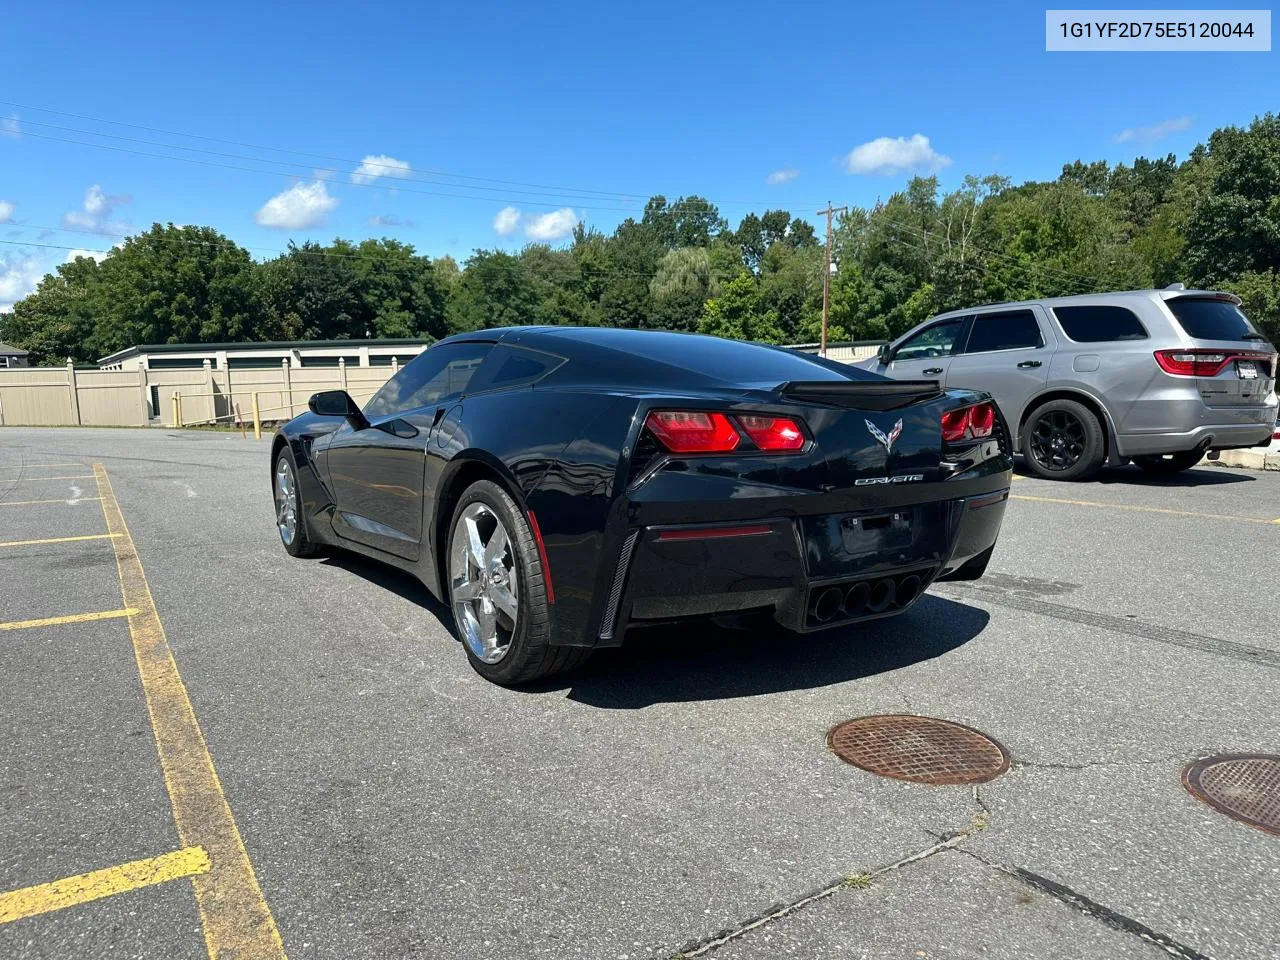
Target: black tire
column 530, row 654
column 301, row 545
column 1083, row 446
column 1163, row 465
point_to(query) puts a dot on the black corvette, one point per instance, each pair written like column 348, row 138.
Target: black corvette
column 554, row 485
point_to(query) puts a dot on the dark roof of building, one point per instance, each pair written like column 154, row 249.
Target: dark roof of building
column 9, row 351
column 257, row 345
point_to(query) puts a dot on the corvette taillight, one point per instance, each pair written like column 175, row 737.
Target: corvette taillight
column 773, row 433
column 969, row 423
column 691, row 431
column 696, row 431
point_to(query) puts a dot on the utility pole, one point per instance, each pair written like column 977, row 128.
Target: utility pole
column 826, row 275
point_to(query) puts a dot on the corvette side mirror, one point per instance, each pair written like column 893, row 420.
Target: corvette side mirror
column 337, row 403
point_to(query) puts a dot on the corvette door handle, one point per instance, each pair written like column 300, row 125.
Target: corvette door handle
column 1027, row 364
column 933, row 370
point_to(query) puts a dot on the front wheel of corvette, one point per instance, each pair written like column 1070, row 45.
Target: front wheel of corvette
column 288, row 502
column 497, row 591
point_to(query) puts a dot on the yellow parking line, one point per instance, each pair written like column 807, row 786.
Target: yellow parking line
column 69, row 501
column 70, row 618
column 236, row 919
column 45, row 897
column 1127, row 506
column 78, row 476
column 34, row 543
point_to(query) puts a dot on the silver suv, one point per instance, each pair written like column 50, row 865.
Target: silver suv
column 1159, row 377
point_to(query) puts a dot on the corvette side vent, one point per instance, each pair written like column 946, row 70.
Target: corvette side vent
column 862, row 394
column 610, row 616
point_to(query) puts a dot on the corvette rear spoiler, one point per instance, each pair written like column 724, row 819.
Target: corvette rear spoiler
column 862, row 394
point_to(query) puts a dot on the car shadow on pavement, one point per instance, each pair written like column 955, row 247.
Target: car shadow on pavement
column 1195, row 477
column 702, row 661
column 1135, row 477
column 390, row 578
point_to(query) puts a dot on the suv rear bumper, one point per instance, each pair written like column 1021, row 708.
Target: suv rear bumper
column 1210, row 436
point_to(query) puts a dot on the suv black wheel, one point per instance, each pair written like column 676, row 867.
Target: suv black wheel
column 1063, row 440
column 1167, row 463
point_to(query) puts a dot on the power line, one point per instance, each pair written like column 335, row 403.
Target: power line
column 550, row 189
column 391, row 178
column 297, row 153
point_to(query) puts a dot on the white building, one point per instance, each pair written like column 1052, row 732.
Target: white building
column 247, row 356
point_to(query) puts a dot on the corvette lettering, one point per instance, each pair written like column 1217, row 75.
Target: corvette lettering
column 900, row 478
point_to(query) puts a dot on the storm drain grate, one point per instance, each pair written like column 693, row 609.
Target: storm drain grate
column 1244, row 786
column 919, row 749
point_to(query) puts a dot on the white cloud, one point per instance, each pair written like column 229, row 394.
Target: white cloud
column 18, row 277
column 782, row 176
column 380, row 165
column 10, row 127
column 550, row 226
column 1157, row 131
column 506, row 222
column 890, row 155
column 94, row 215
column 378, row 220
column 6, row 211
column 302, row 206
column 98, row 255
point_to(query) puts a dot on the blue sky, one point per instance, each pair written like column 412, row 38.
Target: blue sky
column 593, row 107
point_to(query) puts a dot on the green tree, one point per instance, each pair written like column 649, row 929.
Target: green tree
column 495, row 290
column 738, row 313
column 1234, row 228
column 682, row 282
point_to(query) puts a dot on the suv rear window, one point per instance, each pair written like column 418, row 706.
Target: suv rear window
column 1004, row 331
column 1211, row 319
column 1100, row 324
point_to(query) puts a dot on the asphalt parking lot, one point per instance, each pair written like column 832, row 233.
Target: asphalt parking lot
column 211, row 749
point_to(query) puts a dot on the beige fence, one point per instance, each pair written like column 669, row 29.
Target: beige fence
column 64, row 396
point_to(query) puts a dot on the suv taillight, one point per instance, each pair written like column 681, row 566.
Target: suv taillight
column 969, row 423
column 696, row 431
column 1210, row 363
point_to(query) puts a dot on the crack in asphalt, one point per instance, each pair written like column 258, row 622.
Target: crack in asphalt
column 1089, row 765
column 1258, row 656
column 1093, row 909
column 698, row 948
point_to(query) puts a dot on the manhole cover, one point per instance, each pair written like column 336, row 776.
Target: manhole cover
column 920, row 749
column 1244, row 786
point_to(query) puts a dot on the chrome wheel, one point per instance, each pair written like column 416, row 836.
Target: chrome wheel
column 286, row 502
column 484, row 588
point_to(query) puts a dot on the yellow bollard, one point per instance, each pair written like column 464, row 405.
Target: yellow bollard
column 257, row 418
column 177, row 409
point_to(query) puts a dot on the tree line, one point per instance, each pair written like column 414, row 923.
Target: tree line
column 1211, row 220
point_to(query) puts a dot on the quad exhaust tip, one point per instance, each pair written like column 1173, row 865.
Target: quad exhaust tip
column 856, row 599
column 908, row 588
column 882, row 592
column 865, row 597
column 827, row 604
